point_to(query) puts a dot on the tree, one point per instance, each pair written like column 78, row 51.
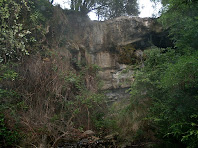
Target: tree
column 181, row 17
column 169, row 81
column 116, row 8
column 170, row 77
column 84, row 6
column 51, row 1
column 13, row 37
column 21, row 24
column 106, row 8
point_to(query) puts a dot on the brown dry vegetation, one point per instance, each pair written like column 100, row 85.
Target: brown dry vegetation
column 49, row 106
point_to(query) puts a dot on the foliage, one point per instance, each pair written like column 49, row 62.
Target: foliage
column 116, row 8
column 103, row 122
column 177, row 107
column 106, row 9
column 8, row 137
column 7, row 73
column 70, row 102
column 21, row 27
column 22, row 24
column 181, row 17
column 13, row 37
column 86, row 98
column 41, row 11
column 169, row 81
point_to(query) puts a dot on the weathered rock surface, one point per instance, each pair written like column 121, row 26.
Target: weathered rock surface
column 103, row 44
column 114, row 45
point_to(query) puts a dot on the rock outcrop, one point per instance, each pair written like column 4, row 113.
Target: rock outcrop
column 114, row 45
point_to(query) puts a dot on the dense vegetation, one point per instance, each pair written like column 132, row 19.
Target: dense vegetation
column 167, row 85
column 42, row 101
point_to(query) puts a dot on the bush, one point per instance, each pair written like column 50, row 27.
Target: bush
column 168, row 85
column 8, row 137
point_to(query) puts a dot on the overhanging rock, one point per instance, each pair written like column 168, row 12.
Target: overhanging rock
column 114, row 45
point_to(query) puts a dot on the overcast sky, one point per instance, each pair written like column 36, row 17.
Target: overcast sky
column 146, row 8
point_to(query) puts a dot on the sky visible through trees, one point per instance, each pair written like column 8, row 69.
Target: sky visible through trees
column 146, row 8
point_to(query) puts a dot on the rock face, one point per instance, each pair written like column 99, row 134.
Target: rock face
column 114, row 45
column 119, row 32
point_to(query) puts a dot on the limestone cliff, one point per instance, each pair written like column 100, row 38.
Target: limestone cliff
column 114, row 45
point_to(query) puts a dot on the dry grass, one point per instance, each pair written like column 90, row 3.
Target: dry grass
column 49, row 112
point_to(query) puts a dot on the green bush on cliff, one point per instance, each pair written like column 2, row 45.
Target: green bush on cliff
column 9, row 137
column 18, row 36
column 22, row 24
column 168, row 82
column 168, row 85
column 13, row 36
column 8, row 99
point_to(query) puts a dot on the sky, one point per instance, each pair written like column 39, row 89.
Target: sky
column 146, row 8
